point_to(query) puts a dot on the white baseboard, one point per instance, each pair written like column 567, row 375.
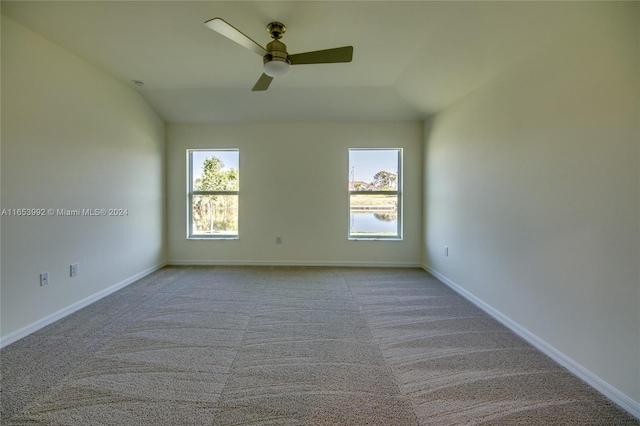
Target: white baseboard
column 33, row 327
column 616, row 396
column 292, row 263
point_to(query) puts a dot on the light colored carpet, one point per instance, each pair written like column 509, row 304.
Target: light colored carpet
column 288, row 346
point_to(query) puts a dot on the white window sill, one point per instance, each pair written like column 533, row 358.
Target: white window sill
column 374, row 239
column 235, row 237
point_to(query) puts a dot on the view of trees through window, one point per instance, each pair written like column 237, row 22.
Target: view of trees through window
column 213, row 195
column 374, row 195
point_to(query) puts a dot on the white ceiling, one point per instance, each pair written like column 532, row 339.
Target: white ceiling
column 411, row 59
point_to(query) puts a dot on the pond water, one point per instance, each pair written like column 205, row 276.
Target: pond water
column 373, row 223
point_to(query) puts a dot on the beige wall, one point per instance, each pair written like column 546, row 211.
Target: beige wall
column 532, row 182
column 73, row 137
column 293, row 184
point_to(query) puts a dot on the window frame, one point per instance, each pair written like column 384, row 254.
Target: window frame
column 191, row 193
column 398, row 192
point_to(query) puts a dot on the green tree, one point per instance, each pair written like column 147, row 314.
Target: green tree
column 215, row 178
column 385, row 180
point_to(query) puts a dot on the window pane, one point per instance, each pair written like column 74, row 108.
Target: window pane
column 215, row 215
column 373, row 215
column 215, row 170
column 373, row 169
column 375, row 185
column 213, row 193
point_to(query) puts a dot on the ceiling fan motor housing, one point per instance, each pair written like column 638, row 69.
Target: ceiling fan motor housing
column 277, row 52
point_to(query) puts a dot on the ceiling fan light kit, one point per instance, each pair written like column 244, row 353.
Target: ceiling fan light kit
column 276, row 68
column 275, row 58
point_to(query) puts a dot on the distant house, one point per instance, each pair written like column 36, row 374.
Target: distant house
column 359, row 185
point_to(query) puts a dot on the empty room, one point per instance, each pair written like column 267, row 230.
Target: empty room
column 320, row 212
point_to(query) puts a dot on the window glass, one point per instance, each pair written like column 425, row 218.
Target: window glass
column 375, row 199
column 214, row 184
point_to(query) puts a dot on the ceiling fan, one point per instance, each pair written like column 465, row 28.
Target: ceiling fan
column 275, row 57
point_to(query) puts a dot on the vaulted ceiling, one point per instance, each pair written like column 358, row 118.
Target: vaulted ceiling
column 411, row 59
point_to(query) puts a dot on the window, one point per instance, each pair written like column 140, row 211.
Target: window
column 213, row 185
column 375, row 194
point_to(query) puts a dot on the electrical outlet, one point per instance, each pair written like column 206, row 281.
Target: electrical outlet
column 44, row 278
column 73, row 269
column 446, row 250
column 278, row 240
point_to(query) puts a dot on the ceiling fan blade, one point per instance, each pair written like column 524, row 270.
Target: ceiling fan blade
column 263, row 83
column 221, row 26
column 328, row 56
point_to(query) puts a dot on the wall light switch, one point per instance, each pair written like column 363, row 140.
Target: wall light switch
column 44, row 278
column 446, row 250
column 73, row 269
